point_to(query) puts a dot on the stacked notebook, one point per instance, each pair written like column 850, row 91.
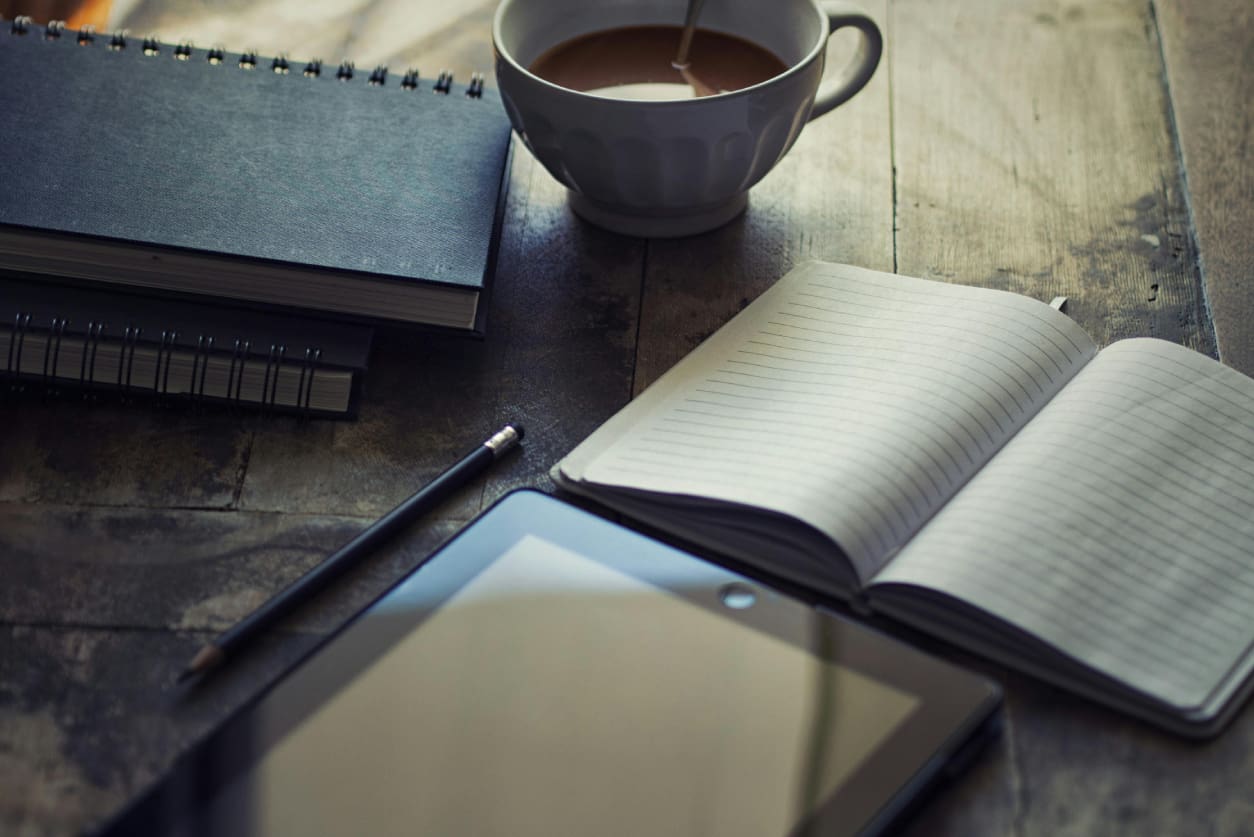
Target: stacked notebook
column 307, row 195
column 128, row 345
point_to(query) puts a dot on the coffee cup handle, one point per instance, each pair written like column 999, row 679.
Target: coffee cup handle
column 865, row 60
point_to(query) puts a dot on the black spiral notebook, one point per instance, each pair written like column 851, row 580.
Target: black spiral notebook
column 57, row 338
column 182, row 171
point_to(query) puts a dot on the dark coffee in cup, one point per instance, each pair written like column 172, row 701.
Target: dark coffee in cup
column 637, row 62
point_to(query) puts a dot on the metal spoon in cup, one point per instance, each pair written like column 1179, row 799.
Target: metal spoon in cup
column 681, row 62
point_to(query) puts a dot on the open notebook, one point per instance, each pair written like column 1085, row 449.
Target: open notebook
column 967, row 461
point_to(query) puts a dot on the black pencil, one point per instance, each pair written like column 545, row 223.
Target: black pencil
column 301, row 590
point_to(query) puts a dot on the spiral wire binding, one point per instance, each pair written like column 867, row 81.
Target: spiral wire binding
column 152, row 47
column 238, row 356
column 165, row 350
column 270, row 382
column 90, row 383
column 278, row 358
column 17, row 341
column 87, row 370
column 52, row 351
column 131, row 336
column 304, row 388
column 265, row 381
column 200, row 360
column 126, row 359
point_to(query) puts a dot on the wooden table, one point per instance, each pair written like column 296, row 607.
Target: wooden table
column 1098, row 150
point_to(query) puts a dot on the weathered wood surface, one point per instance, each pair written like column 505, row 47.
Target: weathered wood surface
column 1209, row 52
column 1024, row 144
column 1034, row 153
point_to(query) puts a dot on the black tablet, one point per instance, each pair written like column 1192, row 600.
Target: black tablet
column 547, row 673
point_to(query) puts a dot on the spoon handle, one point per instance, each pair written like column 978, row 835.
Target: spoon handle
column 690, row 26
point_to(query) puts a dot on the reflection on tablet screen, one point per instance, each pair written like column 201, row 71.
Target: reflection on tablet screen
column 553, row 695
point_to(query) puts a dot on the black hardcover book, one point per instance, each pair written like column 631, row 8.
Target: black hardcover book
column 180, row 170
column 55, row 336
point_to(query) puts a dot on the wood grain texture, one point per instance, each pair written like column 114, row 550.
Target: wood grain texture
column 1023, row 144
column 88, row 718
column 183, row 570
column 567, row 305
column 426, row 401
column 66, row 449
column 1208, row 46
column 1066, row 766
column 1034, row 153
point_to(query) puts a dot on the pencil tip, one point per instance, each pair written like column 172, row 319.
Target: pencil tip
column 205, row 659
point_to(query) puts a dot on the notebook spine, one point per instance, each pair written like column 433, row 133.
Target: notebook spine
column 50, row 354
column 152, row 47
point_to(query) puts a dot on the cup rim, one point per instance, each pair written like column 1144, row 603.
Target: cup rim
column 794, row 69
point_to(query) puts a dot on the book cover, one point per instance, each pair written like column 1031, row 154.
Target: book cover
column 175, row 169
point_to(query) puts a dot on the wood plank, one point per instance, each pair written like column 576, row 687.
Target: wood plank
column 1208, row 47
column 1034, row 153
column 426, row 401
column 183, row 570
column 567, row 306
column 1067, row 766
column 829, row 198
column 88, row 718
column 67, row 449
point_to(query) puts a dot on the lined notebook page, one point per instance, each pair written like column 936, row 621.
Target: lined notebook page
column 854, row 400
column 1118, row 525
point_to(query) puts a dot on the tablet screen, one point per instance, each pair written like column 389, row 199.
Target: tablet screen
column 554, row 695
column 547, row 672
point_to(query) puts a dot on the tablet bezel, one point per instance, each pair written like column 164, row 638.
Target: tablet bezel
column 954, row 706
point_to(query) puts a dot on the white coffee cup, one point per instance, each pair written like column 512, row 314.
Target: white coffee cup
column 676, row 167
